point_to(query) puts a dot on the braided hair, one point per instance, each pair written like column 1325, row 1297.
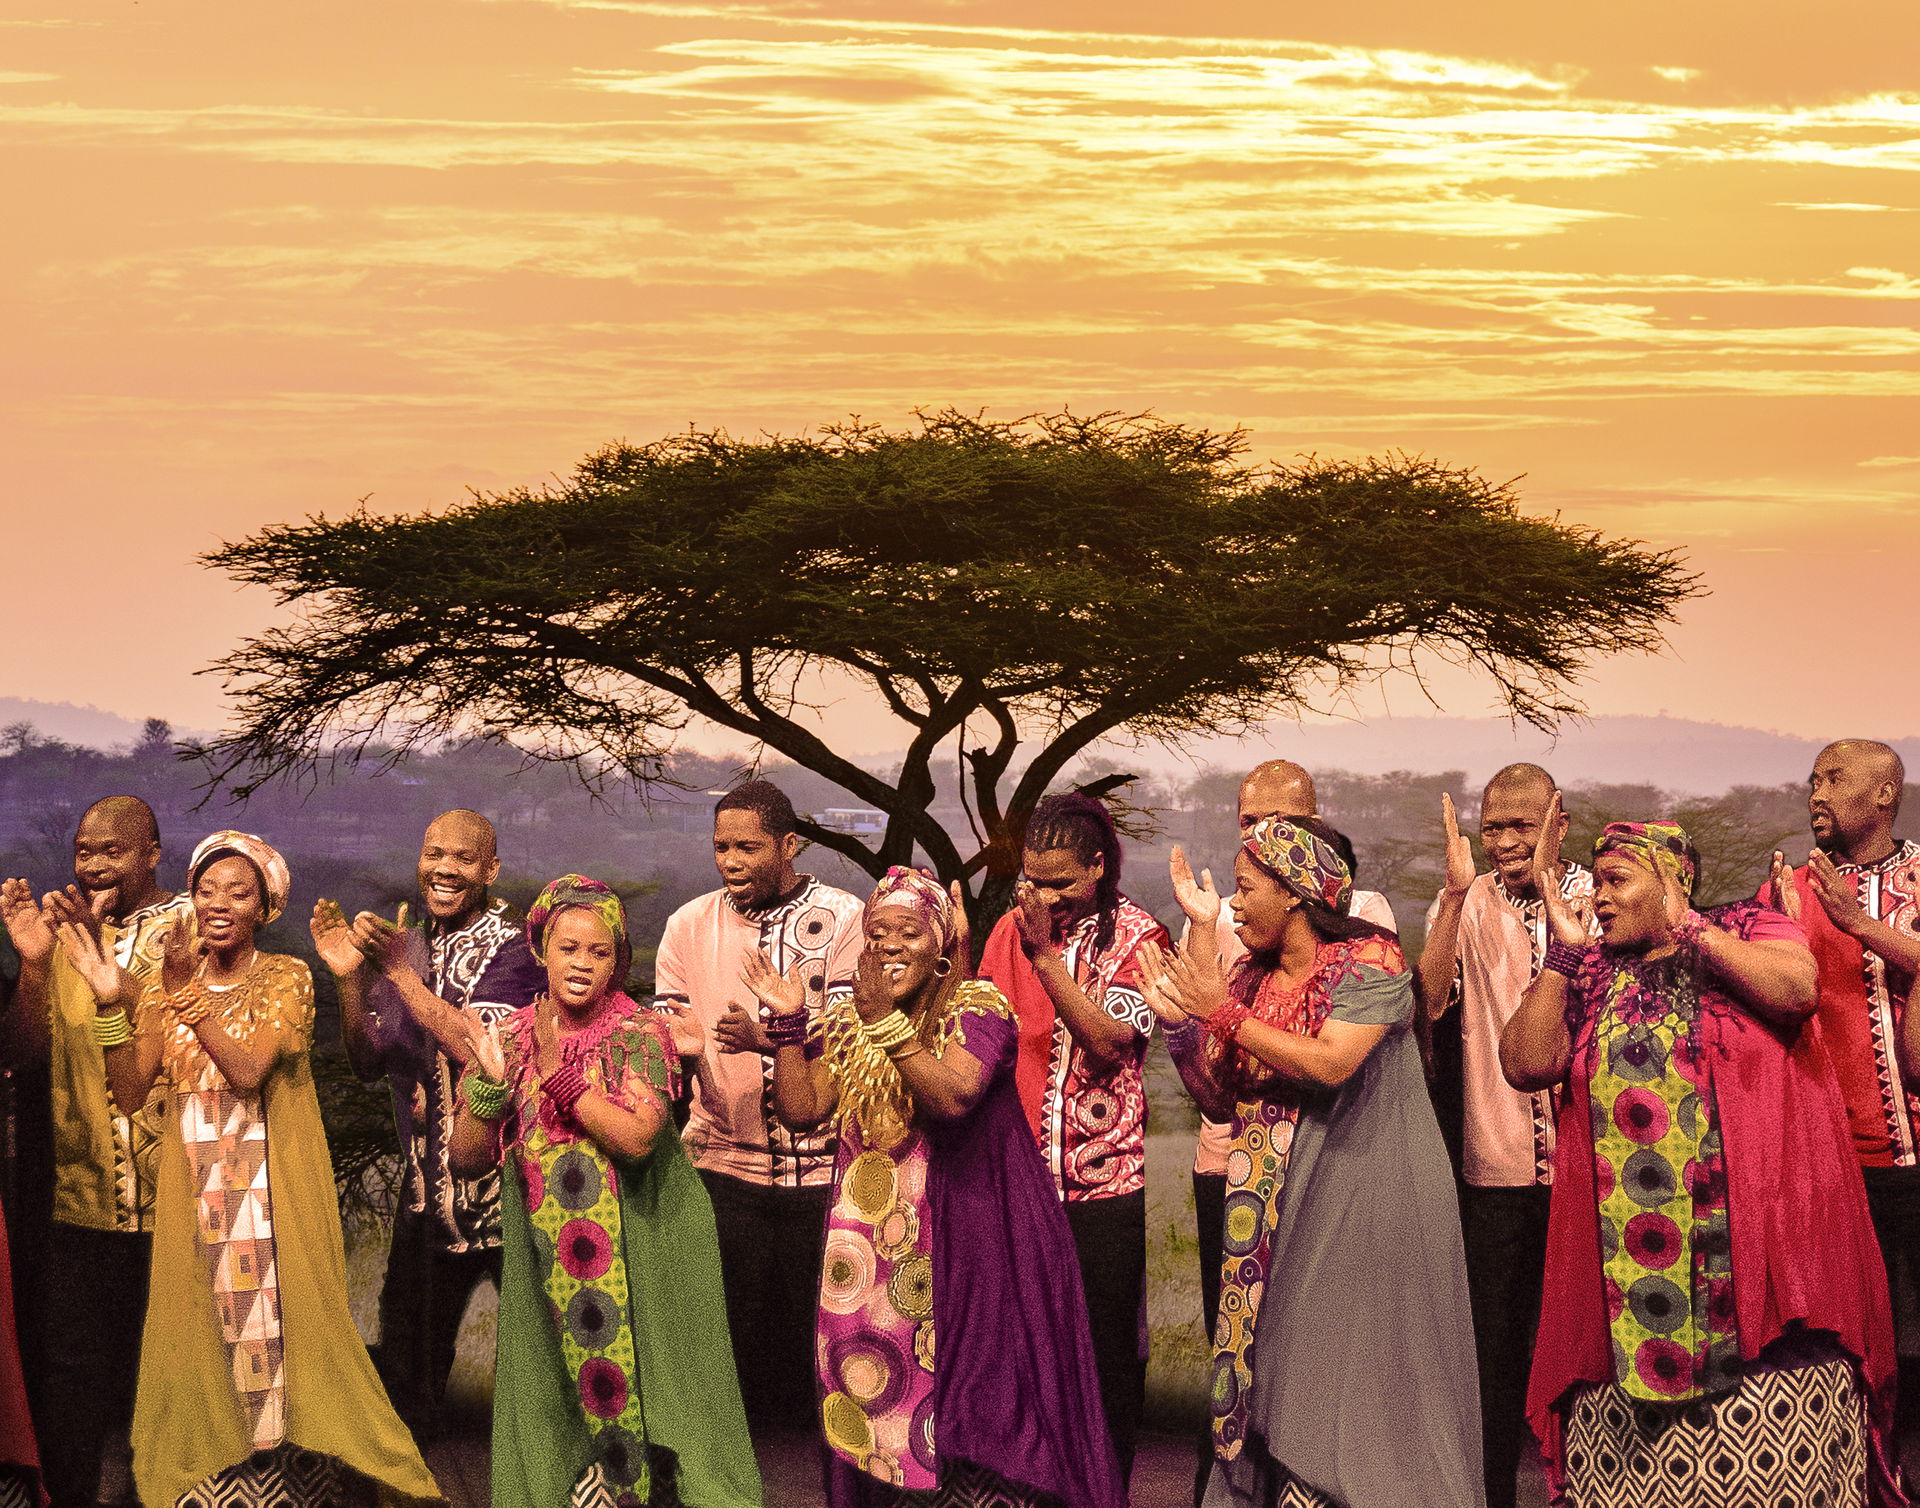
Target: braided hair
column 1083, row 827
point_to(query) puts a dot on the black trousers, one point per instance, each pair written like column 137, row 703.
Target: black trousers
column 1110, row 1239
column 1893, row 1199
column 771, row 1242
column 92, row 1305
column 422, row 1301
column 1209, row 1222
column 1505, row 1231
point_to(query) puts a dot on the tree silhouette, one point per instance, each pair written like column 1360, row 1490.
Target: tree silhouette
column 1012, row 591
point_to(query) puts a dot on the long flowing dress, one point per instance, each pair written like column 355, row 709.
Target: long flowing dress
column 19, row 1456
column 953, row 1351
column 615, row 1383
column 1715, row 1326
column 1344, row 1372
column 255, row 1386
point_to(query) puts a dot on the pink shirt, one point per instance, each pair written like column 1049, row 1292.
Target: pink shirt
column 703, row 950
column 1210, row 1153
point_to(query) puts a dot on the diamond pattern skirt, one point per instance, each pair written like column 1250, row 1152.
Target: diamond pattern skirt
column 1794, row 1438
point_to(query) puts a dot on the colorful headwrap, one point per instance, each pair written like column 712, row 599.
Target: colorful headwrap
column 921, row 893
column 262, row 855
column 1307, row 863
column 577, row 890
column 1658, row 845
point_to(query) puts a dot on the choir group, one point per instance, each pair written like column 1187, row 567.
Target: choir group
column 834, row 1175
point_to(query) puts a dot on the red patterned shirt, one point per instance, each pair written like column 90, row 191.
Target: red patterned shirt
column 1091, row 1125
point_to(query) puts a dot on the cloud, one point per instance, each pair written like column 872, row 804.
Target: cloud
column 1850, row 208
column 1675, row 75
column 1889, row 461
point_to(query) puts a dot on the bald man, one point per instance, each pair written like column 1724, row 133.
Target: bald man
column 409, row 999
column 1486, row 941
column 1276, row 788
column 1858, row 895
column 92, row 1295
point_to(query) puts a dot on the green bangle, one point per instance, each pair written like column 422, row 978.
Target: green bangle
column 112, row 1028
column 485, row 1097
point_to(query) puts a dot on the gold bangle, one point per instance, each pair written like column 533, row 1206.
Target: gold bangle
column 912, row 1049
column 892, row 1031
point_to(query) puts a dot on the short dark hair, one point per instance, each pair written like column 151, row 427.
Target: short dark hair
column 766, row 801
column 119, row 806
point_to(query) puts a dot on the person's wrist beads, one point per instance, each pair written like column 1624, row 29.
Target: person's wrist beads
column 891, row 1032
column 1562, row 959
column 485, row 1097
column 787, row 1029
column 564, row 1088
column 1226, row 1022
column 1184, row 1037
column 1690, row 929
column 112, row 1028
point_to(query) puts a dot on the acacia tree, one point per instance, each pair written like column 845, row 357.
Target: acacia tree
column 1015, row 589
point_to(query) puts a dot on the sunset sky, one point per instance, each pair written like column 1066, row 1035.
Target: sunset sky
column 263, row 260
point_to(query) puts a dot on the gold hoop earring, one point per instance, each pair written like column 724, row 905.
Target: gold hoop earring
column 942, row 967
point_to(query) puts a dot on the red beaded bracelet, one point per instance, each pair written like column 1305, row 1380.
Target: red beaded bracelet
column 1226, row 1022
column 564, row 1088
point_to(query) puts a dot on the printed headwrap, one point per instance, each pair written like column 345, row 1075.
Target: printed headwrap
column 264, row 857
column 577, row 890
column 1658, row 845
column 925, row 896
column 1308, row 863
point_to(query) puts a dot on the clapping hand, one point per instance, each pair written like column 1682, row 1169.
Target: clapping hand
column 1837, row 893
column 333, row 938
column 489, row 1051
column 962, row 931
column 1153, row 985
column 108, row 981
column 1460, row 870
column 1033, row 919
column 1197, row 898
column 28, row 927
column 1561, row 922
column 1783, row 892
column 78, row 908
column 180, row 957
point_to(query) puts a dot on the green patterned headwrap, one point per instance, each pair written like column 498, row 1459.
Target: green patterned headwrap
column 1304, row 862
column 578, row 890
column 1658, row 845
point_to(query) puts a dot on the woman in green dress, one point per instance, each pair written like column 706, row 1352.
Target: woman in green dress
column 614, row 1383
column 254, row 1386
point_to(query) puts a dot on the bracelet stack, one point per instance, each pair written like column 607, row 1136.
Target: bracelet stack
column 894, row 1035
column 1561, row 959
column 1226, row 1022
column 487, row 1098
column 112, row 1028
column 1184, row 1038
column 787, row 1029
column 564, row 1088
column 1688, row 931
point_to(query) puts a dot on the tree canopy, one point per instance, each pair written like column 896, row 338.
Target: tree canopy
column 1017, row 590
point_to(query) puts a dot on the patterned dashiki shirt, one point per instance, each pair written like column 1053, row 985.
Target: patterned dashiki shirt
column 1890, row 893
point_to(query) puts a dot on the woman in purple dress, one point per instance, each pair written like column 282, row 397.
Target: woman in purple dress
column 952, row 1349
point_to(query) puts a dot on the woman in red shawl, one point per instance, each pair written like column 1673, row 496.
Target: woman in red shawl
column 1714, row 1327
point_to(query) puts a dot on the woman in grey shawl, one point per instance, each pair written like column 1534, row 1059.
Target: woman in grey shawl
column 1343, row 1360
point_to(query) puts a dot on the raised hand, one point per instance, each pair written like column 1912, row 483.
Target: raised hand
column 1033, row 918
column 1195, row 978
column 1197, row 898
column 103, row 975
column 962, row 932
column 1783, row 892
column 781, row 993
column 1561, row 921
column 28, row 927
column 180, row 957
column 489, row 1051
column 78, row 908
column 689, row 1036
column 1673, row 899
column 333, row 938
column 1460, row 870
column 1837, row 893
column 1153, row 985
column 383, row 942
column 872, row 992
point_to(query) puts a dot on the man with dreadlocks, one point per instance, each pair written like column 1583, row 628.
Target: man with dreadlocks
column 1067, row 959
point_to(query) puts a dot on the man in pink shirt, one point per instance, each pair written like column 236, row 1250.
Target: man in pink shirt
column 1277, row 788
column 1486, row 941
column 769, row 1187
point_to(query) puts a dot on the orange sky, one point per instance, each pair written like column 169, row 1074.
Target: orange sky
column 264, row 260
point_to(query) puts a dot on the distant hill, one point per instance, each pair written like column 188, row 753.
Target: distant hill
column 87, row 726
column 1676, row 753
